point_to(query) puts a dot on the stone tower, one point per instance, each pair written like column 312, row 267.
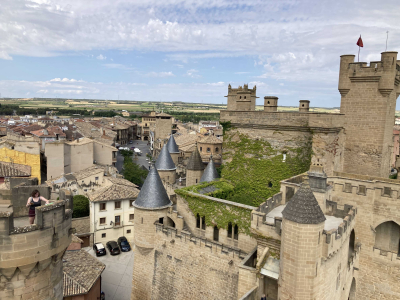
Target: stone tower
column 210, row 173
column 151, row 206
column 270, row 103
column 301, row 246
column 242, row 98
column 173, row 149
column 194, row 168
column 368, row 101
column 31, row 255
column 165, row 166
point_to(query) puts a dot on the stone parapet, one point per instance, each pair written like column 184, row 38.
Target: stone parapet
column 335, row 239
column 30, row 256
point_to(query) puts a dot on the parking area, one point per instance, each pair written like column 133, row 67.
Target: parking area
column 116, row 280
column 140, row 160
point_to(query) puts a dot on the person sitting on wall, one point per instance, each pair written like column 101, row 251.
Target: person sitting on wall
column 33, row 202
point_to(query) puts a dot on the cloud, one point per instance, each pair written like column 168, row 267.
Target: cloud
column 5, row 55
column 241, row 73
column 192, row 73
column 159, row 74
column 64, row 80
column 101, row 57
column 118, row 66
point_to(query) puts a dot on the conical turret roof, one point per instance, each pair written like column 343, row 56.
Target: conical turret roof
column 210, row 173
column 164, row 160
column 303, row 208
column 153, row 194
column 172, row 146
column 195, row 162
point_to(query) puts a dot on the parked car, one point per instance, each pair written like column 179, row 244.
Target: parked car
column 112, row 246
column 130, row 142
column 132, row 148
column 124, row 244
column 99, row 249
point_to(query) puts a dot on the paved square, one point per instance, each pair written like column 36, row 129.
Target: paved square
column 116, row 280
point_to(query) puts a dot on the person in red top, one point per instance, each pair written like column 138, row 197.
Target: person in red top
column 33, row 201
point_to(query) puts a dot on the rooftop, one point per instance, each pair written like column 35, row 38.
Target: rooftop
column 210, row 173
column 8, row 169
column 81, row 271
column 118, row 190
column 195, row 162
column 164, row 160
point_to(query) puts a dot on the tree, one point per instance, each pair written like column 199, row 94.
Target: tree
column 133, row 172
column 81, row 206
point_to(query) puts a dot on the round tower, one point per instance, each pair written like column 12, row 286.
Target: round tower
column 173, row 149
column 304, row 106
column 151, row 207
column 270, row 103
column 31, row 255
column 194, row 168
column 301, row 246
column 165, row 166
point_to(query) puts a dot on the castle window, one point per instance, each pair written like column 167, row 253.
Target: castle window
column 201, row 148
column 208, row 150
column 161, row 220
column 229, row 230
column 387, row 191
column 216, row 149
column 387, row 237
column 198, row 221
column 103, row 235
column 102, row 221
column 128, row 231
column 131, row 203
column 236, row 232
column 244, row 97
column 203, row 222
column 269, row 184
column 216, row 234
column 240, row 97
column 117, row 204
column 131, row 217
column 196, row 180
column 347, row 187
column 96, row 178
column 268, row 102
column 361, row 190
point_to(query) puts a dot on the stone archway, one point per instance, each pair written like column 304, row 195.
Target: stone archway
column 352, row 294
column 387, row 237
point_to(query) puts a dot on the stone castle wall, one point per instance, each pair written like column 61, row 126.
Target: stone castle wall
column 191, row 268
column 379, row 269
column 31, row 256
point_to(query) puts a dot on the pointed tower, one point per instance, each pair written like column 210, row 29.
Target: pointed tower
column 173, row 149
column 151, row 206
column 194, row 168
column 210, row 173
column 165, row 166
column 301, row 246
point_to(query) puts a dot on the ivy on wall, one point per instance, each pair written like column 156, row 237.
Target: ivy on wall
column 256, row 168
column 217, row 213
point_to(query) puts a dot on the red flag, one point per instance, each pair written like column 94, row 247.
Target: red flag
column 360, row 42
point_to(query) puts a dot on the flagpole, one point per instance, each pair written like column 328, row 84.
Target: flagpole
column 358, row 53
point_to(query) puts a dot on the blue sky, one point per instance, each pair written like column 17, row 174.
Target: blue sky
column 174, row 50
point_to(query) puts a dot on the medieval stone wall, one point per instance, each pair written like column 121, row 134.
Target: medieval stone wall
column 379, row 269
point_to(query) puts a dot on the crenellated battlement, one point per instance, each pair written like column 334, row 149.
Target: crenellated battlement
column 337, row 238
column 30, row 256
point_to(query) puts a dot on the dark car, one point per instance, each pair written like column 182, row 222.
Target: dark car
column 132, row 148
column 130, row 142
column 112, row 246
column 124, row 244
column 99, row 249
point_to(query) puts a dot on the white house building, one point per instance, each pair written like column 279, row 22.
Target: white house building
column 111, row 210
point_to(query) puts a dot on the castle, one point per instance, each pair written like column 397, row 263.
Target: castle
column 329, row 231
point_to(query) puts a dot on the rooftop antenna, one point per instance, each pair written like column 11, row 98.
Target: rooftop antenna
column 387, row 37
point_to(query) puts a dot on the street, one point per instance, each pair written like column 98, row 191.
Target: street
column 116, row 280
column 140, row 160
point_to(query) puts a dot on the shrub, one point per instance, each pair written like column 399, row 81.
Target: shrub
column 81, row 206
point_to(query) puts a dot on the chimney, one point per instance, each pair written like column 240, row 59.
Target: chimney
column 270, row 103
column 304, row 106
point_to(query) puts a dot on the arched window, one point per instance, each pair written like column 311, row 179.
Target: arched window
column 268, row 102
column 216, row 233
column 197, row 221
column 216, row 149
column 240, row 97
column 387, row 237
column 352, row 241
column 269, row 184
column 229, row 230
column 208, row 150
column 236, row 232
column 203, row 222
column 244, row 97
column 201, row 149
